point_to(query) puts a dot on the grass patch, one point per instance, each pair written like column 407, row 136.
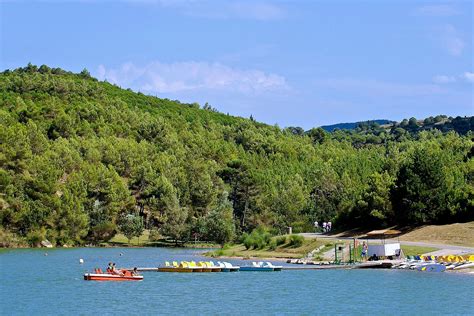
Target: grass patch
column 416, row 250
column 135, row 241
column 275, row 249
column 461, row 234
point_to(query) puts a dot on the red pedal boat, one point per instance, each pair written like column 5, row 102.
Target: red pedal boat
column 124, row 275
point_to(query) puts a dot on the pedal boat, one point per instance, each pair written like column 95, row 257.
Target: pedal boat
column 191, row 266
column 227, row 267
column 183, row 267
column 98, row 275
column 208, row 266
column 261, row 266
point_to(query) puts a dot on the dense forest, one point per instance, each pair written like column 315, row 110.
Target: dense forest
column 81, row 160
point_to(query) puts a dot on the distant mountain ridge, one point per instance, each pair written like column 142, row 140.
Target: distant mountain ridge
column 353, row 125
column 443, row 123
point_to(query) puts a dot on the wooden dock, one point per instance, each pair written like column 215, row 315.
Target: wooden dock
column 365, row 265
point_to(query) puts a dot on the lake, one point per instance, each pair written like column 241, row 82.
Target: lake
column 35, row 284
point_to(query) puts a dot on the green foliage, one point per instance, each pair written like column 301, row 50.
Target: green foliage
column 272, row 245
column 103, row 231
column 281, row 240
column 425, row 186
column 10, row 240
column 219, row 224
column 296, row 241
column 154, row 235
column 76, row 154
column 259, row 238
column 131, row 225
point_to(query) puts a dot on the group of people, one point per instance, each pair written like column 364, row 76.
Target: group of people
column 327, row 227
column 113, row 270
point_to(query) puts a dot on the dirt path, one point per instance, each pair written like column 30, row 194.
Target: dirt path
column 443, row 248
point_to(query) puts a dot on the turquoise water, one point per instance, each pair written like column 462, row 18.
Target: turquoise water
column 34, row 284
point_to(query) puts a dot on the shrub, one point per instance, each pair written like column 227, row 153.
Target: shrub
column 226, row 246
column 9, row 239
column 248, row 241
column 296, row 241
column 318, row 258
column 154, row 235
column 258, row 239
column 35, row 237
column 281, row 240
column 218, row 253
column 272, row 245
column 243, row 237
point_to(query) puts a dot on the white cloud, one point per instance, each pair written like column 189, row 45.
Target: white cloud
column 437, row 10
column 444, row 79
column 469, row 76
column 191, row 76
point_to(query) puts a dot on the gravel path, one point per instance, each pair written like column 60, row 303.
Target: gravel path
column 443, row 249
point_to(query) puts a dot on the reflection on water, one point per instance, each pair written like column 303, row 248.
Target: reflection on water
column 33, row 283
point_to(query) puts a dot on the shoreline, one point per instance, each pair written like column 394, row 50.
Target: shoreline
column 111, row 246
column 467, row 271
column 248, row 258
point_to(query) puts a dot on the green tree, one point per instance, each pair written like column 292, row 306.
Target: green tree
column 175, row 223
column 317, row 135
column 131, row 225
column 420, row 192
column 375, row 207
column 219, row 223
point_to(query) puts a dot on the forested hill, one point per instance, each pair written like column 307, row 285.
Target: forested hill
column 461, row 125
column 82, row 159
column 353, row 125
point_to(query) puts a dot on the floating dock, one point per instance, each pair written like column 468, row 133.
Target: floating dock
column 365, row 265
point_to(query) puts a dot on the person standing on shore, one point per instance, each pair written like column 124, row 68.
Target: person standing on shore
column 329, row 226
column 316, row 226
column 324, row 226
column 364, row 251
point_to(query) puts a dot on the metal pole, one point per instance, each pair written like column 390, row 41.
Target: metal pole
column 355, row 250
column 351, row 255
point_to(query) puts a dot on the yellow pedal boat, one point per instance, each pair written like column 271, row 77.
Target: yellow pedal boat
column 185, row 266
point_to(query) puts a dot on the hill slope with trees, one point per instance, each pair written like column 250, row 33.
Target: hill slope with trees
column 82, row 159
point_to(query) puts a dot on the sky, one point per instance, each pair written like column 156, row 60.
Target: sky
column 291, row 63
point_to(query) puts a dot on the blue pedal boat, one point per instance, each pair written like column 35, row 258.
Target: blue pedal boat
column 261, row 266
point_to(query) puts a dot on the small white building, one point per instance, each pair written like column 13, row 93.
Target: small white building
column 386, row 249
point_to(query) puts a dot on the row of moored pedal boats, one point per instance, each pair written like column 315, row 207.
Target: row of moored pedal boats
column 436, row 263
column 183, row 266
column 210, row 266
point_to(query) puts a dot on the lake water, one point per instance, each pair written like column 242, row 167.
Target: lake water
column 35, row 284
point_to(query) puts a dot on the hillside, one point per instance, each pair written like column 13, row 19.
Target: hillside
column 443, row 123
column 82, row 159
column 354, row 125
column 453, row 234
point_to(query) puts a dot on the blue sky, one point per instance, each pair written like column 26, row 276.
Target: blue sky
column 291, row 63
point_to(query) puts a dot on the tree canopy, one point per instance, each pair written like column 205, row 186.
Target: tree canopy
column 77, row 156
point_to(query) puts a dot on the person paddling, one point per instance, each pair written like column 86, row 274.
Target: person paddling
column 115, row 271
